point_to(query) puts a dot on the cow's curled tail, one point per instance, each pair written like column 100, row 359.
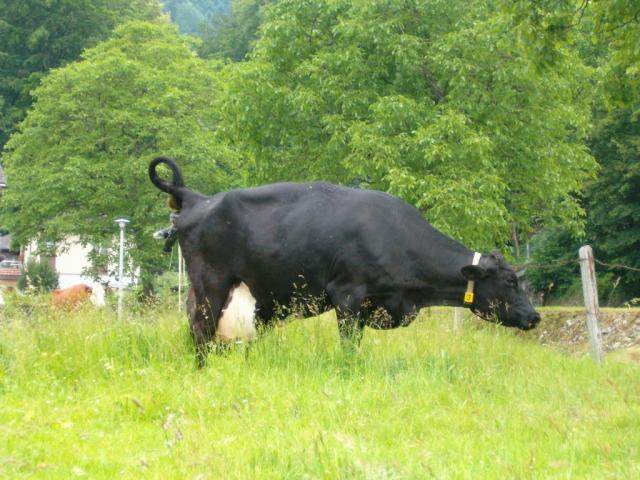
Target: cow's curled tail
column 175, row 188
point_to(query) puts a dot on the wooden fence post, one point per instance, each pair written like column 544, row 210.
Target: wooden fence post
column 590, row 292
column 458, row 312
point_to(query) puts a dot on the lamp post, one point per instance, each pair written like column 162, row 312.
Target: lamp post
column 122, row 222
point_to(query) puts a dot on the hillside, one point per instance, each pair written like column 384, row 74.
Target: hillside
column 564, row 328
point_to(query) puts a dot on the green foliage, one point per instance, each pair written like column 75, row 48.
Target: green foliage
column 37, row 276
column 188, row 17
column 484, row 403
column 80, row 158
column 613, row 223
column 614, row 199
column 430, row 100
column 194, row 15
column 555, row 270
column 606, row 34
column 37, row 35
column 545, row 26
column 618, row 25
column 233, row 35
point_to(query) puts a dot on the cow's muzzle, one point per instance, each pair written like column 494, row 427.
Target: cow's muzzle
column 531, row 321
column 162, row 234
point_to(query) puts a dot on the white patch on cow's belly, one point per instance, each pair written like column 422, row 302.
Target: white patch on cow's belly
column 238, row 319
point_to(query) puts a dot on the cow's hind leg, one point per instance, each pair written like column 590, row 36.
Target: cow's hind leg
column 204, row 305
column 201, row 327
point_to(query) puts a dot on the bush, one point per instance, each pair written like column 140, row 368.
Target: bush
column 38, row 276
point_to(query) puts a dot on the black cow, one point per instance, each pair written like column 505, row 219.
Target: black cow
column 369, row 255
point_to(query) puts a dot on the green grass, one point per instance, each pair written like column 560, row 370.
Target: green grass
column 84, row 395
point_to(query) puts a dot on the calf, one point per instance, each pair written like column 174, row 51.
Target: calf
column 72, row 297
column 369, row 255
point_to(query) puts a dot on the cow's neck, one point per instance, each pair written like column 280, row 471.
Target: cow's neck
column 448, row 294
column 448, row 285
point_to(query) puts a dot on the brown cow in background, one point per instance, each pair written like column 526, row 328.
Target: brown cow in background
column 71, row 298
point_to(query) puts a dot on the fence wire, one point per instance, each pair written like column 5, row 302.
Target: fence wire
column 567, row 261
column 616, row 266
column 552, row 263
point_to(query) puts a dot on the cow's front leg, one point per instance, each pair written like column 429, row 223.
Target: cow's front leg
column 351, row 328
column 349, row 305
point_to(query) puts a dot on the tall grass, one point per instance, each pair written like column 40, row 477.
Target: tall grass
column 87, row 395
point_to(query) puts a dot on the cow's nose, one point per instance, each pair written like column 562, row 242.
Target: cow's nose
column 535, row 319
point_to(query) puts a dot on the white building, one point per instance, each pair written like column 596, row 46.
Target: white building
column 71, row 261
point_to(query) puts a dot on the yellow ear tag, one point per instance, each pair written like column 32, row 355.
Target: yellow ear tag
column 468, row 297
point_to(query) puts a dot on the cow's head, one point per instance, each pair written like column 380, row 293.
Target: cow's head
column 497, row 294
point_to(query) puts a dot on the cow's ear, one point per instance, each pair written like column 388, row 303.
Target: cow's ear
column 473, row 272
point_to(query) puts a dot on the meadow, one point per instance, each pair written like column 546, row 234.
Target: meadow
column 86, row 395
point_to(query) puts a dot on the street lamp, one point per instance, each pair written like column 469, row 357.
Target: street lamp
column 122, row 222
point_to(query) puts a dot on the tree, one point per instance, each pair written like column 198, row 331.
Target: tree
column 80, row 158
column 430, row 100
column 555, row 272
column 614, row 199
column 607, row 34
column 618, row 24
column 547, row 25
column 188, row 17
column 36, row 35
column 194, row 15
column 232, row 35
